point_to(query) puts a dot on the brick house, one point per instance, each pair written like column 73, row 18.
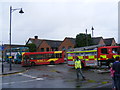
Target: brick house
column 67, row 43
column 110, row 42
column 34, row 40
column 49, row 45
column 98, row 41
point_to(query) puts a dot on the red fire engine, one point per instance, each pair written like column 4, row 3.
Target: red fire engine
column 94, row 55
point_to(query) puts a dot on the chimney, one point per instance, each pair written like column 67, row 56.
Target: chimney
column 36, row 37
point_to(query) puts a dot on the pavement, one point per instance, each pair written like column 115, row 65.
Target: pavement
column 15, row 68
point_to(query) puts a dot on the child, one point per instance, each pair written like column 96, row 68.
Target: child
column 112, row 75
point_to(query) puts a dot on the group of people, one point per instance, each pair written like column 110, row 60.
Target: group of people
column 115, row 72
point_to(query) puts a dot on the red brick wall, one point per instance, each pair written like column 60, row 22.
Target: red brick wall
column 66, row 43
column 43, row 45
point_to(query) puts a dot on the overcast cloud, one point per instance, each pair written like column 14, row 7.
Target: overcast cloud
column 57, row 19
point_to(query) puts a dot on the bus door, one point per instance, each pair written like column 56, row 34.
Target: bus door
column 26, row 60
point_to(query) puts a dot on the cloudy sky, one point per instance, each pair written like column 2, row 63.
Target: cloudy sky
column 57, row 19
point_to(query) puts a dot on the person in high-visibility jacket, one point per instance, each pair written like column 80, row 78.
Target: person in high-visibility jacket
column 78, row 67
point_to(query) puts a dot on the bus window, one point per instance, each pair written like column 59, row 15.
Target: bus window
column 58, row 55
column 25, row 57
column 32, row 57
column 104, row 51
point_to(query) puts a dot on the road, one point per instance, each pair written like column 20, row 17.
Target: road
column 55, row 76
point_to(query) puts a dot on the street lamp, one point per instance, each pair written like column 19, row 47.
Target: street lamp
column 86, row 38
column 11, row 10
column 92, row 30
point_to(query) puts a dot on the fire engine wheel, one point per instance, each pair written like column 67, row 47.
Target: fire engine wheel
column 32, row 63
column 52, row 62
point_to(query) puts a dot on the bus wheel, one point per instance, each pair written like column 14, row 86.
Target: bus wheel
column 32, row 63
column 52, row 62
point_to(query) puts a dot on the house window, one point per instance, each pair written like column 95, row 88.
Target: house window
column 54, row 49
column 47, row 49
column 69, row 47
column 42, row 50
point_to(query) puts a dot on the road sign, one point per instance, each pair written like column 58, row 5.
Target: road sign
column 1, row 48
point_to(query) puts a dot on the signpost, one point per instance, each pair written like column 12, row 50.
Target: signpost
column 1, row 50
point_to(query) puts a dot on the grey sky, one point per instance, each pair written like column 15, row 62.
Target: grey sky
column 57, row 19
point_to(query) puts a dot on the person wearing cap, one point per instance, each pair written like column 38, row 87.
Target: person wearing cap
column 78, row 67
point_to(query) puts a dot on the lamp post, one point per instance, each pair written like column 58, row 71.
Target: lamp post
column 92, row 30
column 86, row 38
column 2, row 48
column 11, row 10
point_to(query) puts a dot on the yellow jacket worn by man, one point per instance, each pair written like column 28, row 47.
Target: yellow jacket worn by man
column 78, row 64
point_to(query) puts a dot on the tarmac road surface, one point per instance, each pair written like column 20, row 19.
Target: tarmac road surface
column 54, row 76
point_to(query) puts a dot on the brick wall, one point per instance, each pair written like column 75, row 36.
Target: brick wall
column 66, row 44
column 43, row 45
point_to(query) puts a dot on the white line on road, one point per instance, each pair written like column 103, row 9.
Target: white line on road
column 31, row 76
column 34, row 79
column 20, row 81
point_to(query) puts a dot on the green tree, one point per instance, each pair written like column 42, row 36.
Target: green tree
column 83, row 40
column 32, row 47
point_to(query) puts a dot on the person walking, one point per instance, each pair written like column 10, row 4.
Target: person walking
column 112, row 76
column 116, row 68
column 78, row 67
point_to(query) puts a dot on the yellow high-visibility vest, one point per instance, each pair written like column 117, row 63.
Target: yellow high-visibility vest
column 78, row 64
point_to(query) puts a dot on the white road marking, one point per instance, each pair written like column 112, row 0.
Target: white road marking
column 27, row 75
column 31, row 76
column 34, row 79
column 20, row 81
column 50, row 65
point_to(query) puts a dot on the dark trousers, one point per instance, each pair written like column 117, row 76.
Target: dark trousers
column 117, row 83
column 79, row 72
